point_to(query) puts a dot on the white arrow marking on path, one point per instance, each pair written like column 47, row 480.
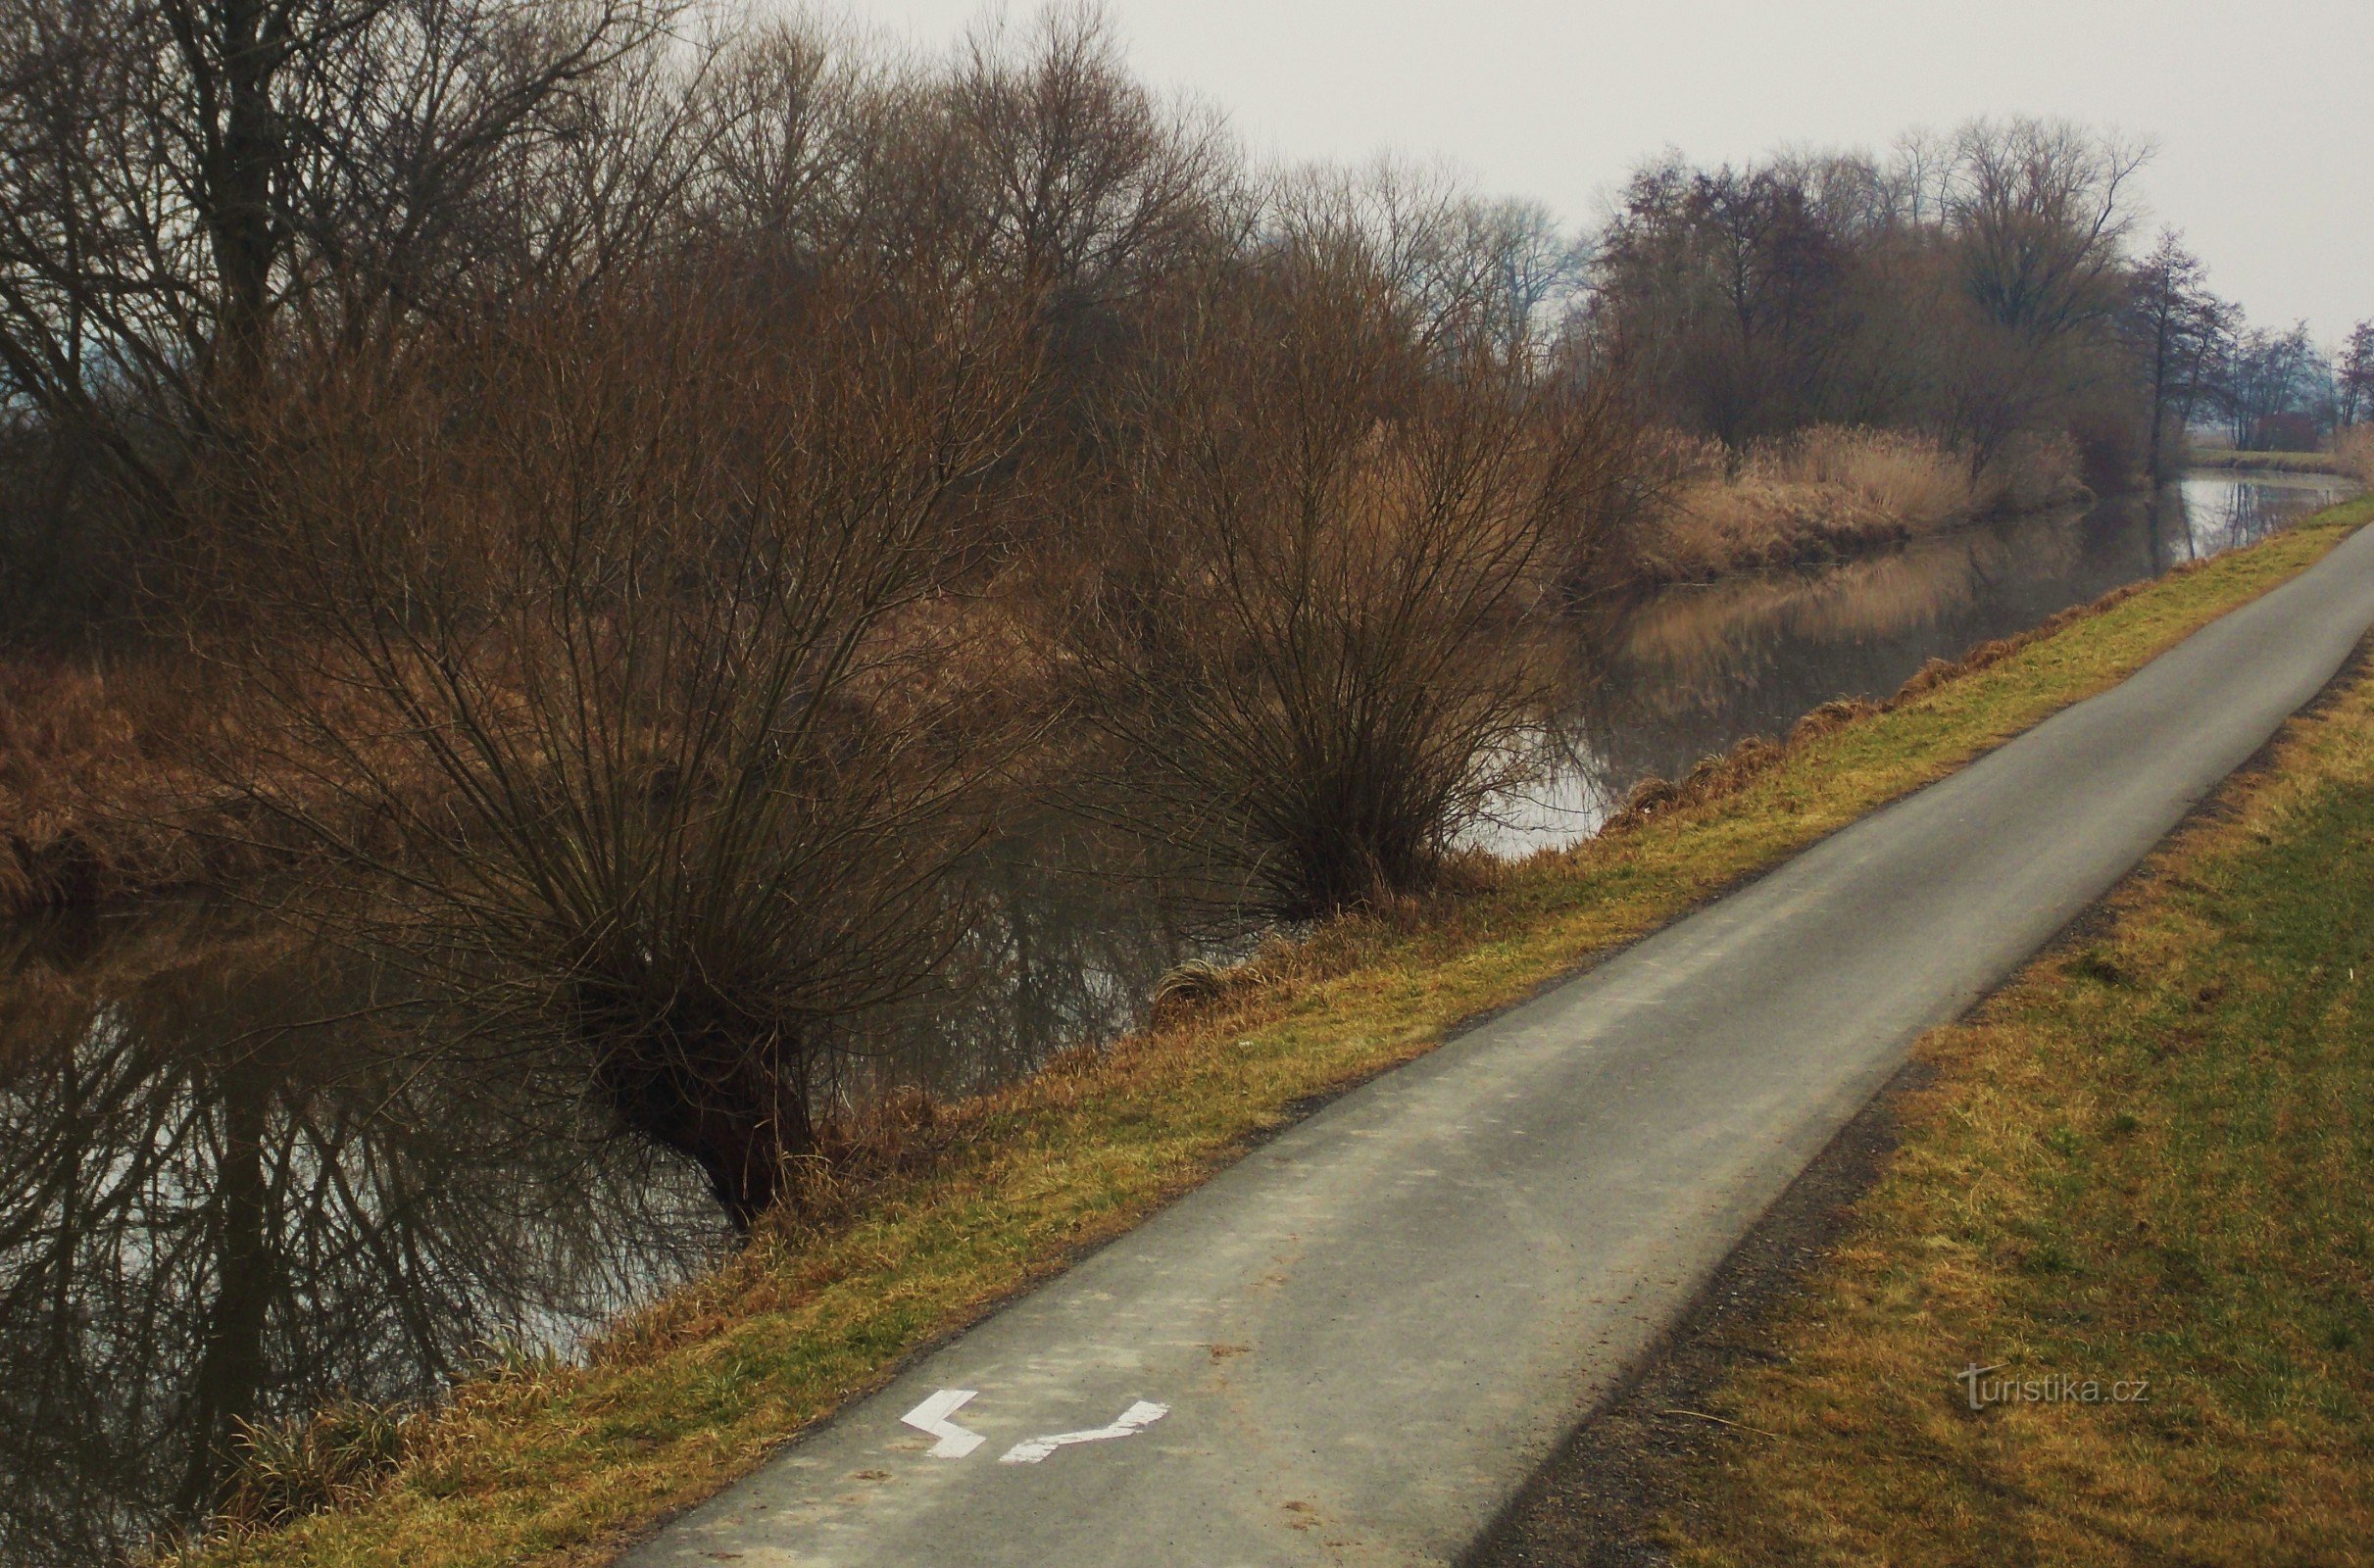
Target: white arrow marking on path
column 932, row 1416
column 1134, row 1420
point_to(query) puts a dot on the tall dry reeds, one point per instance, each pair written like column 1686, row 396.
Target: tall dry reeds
column 98, row 795
column 2354, row 448
column 69, row 739
column 1831, row 492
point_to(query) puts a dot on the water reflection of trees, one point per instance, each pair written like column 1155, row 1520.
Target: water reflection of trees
column 1697, row 669
column 1068, row 937
column 2218, row 511
column 231, row 1187
column 207, row 1214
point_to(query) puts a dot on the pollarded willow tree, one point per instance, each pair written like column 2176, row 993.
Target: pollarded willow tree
column 1338, row 517
column 609, row 645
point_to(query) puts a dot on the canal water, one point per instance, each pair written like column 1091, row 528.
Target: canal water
column 1701, row 667
column 236, row 1183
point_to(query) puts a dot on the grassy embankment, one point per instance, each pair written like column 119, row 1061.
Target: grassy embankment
column 556, row 1465
column 2148, row 1159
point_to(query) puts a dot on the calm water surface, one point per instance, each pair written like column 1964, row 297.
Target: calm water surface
column 1700, row 668
column 232, row 1187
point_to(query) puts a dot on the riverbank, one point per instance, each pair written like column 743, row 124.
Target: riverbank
column 101, row 797
column 2139, row 1172
column 957, row 1208
column 2353, row 462
column 105, row 796
column 1830, row 493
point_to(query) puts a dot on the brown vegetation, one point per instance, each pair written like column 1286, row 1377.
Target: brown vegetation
column 673, row 771
column 100, row 796
column 1971, row 288
column 1827, row 493
column 2354, row 452
column 1306, row 636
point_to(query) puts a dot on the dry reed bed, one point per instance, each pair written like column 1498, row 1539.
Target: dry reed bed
column 138, row 777
column 95, row 801
column 2352, row 458
column 2353, row 450
column 1829, row 493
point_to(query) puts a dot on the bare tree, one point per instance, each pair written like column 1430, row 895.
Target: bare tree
column 1730, row 287
column 2353, row 375
column 175, row 175
column 612, row 645
column 1307, row 638
column 1085, row 186
column 2272, row 388
column 2040, row 208
column 2176, row 324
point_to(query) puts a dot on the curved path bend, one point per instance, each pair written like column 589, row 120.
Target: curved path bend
column 1367, row 1334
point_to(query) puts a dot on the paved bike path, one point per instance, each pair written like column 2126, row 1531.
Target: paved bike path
column 1362, row 1338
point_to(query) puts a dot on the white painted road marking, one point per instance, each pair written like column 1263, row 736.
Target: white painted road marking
column 1134, row 1420
column 932, row 1416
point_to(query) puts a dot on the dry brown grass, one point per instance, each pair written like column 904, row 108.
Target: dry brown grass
column 2144, row 1160
column 2228, row 460
column 144, row 774
column 1831, row 492
column 95, row 802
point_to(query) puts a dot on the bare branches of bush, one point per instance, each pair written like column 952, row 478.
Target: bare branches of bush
column 1309, row 636
column 625, row 620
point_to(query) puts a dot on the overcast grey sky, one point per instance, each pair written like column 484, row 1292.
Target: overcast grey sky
column 2264, row 113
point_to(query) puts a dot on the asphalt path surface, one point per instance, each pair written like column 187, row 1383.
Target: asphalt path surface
column 1355, row 1344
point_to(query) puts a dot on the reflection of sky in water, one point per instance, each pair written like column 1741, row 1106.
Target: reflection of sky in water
column 2224, row 509
column 1701, row 667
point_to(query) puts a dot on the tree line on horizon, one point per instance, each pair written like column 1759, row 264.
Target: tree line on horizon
column 1985, row 286
column 198, row 197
